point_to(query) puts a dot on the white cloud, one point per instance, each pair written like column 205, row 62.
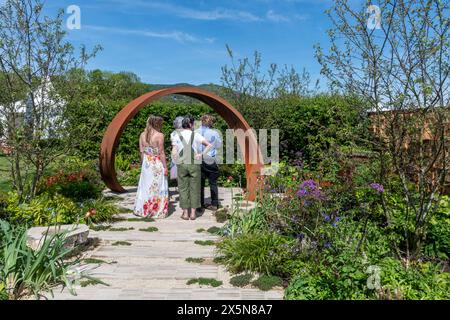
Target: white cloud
column 301, row 17
column 184, row 12
column 213, row 14
column 275, row 17
column 178, row 36
column 220, row 14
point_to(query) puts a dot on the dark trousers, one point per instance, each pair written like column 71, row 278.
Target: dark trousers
column 210, row 172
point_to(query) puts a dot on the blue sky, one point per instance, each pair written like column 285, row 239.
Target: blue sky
column 169, row 41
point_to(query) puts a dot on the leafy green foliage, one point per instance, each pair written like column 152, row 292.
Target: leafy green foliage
column 102, row 96
column 129, row 178
column 322, row 126
column 219, row 259
column 245, row 223
column 438, row 239
column 205, row 242
column 121, row 243
column 149, row 229
column 25, row 271
column 214, row 230
column 94, row 261
column 42, row 210
column 92, row 282
column 3, row 293
column 350, row 281
column 337, row 238
column 146, row 219
column 232, row 175
column 205, row 282
column 47, row 209
column 121, row 229
column 267, row 282
column 100, row 227
column 195, row 260
column 241, row 280
column 259, row 252
column 221, row 215
column 73, row 178
column 105, row 210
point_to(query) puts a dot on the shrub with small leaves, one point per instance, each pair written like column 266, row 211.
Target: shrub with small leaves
column 266, row 282
column 195, row 260
column 149, row 229
column 205, row 242
column 241, row 280
column 122, row 229
column 205, row 282
column 121, row 243
column 221, row 215
column 214, row 230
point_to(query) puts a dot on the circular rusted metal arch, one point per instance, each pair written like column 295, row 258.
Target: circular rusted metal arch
column 232, row 117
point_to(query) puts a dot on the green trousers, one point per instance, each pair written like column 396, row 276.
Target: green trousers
column 189, row 184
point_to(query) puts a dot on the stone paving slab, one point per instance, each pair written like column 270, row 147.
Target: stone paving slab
column 153, row 267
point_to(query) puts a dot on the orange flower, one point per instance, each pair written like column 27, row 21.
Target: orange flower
column 325, row 184
column 91, row 212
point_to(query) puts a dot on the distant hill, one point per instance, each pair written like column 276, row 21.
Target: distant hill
column 214, row 88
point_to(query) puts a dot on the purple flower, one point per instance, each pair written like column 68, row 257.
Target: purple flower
column 298, row 160
column 336, row 221
column 311, row 184
column 327, row 245
column 299, row 236
column 326, row 217
column 297, row 163
column 377, row 187
column 309, row 188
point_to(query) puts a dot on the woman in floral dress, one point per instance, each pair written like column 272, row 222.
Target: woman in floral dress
column 152, row 198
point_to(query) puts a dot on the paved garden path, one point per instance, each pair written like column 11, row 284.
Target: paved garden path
column 154, row 265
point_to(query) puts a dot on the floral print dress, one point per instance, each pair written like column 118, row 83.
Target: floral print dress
column 152, row 198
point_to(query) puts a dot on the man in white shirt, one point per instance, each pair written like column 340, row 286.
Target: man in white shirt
column 210, row 169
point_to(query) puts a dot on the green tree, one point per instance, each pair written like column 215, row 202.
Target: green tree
column 36, row 86
column 402, row 71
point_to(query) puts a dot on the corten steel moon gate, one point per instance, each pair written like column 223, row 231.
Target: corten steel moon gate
column 232, row 117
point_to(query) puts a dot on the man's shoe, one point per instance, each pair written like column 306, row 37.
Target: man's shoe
column 212, row 208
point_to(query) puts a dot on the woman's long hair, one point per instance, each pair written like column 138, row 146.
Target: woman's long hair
column 154, row 123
